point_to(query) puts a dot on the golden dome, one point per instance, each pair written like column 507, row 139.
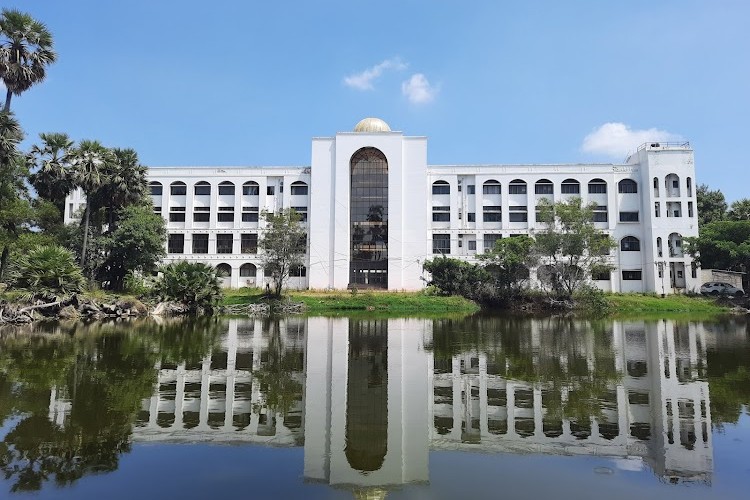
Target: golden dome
column 370, row 125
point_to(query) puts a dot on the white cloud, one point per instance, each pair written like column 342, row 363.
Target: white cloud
column 616, row 139
column 418, row 89
column 363, row 80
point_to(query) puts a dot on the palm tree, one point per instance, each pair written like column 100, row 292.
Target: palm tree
column 53, row 179
column 12, row 187
column 124, row 184
column 25, row 52
column 91, row 160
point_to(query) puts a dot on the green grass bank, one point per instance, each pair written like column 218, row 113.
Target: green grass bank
column 646, row 304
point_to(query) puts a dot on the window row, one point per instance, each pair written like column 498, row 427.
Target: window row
column 224, row 243
column 672, row 186
column 203, row 188
column 542, row 186
column 519, row 213
column 673, row 209
column 225, row 214
column 441, row 243
column 249, row 270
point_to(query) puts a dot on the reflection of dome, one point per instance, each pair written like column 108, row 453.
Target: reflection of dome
column 372, row 125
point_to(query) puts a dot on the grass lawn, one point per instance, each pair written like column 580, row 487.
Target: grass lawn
column 634, row 303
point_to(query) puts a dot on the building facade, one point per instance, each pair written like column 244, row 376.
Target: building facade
column 375, row 211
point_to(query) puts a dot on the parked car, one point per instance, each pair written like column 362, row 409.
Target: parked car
column 720, row 288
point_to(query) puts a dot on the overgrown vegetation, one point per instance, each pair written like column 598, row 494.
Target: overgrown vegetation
column 194, row 284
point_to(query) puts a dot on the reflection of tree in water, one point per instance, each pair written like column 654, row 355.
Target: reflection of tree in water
column 728, row 372
column 104, row 370
column 367, row 395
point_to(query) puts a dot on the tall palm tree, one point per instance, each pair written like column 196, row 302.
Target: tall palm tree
column 125, row 183
column 25, row 52
column 12, row 187
column 53, row 178
column 91, row 160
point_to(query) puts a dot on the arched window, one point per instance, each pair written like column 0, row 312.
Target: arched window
column 441, row 187
column 155, row 188
column 627, row 186
column 178, row 188
column 689, row 184
column 226, row 188
column 656, row 187
column 597, row 186
column 297, row 272
column 544, row 186
column 658, row 247
column 299, row 188
column 630, row 244
column 672, row 183
column 491, row 187
column 202, row 188
column 250, row 188
column 517, row 186
column 224, row 270
column 675, row 245
column 570, row 186
column 248, row 271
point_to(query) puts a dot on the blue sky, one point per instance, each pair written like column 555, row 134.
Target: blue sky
column 250, row 83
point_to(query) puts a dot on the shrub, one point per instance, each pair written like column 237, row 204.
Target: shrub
column 193, row 283
column 47, row 271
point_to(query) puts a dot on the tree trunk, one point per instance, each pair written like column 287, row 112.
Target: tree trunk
column 85, row 234
column 4, row 261
column 8, row 96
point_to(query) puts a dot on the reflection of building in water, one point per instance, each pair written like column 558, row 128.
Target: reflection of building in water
column 233, row 393
column 648, row 401
column 366, row 403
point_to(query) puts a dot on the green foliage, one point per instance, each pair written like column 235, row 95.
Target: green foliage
column 457, row 277
column 591, row 300
column 740, row 210
column 53, row 161
column 136, row 284
column 509, row 262
column 722, row 245
column 283, row 245
column 570, row 246
column 47, row 271
column 15, row 209
column 195, row 284
column 711, row 205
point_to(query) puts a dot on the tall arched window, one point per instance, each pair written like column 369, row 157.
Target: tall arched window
column 491, row 187
column 672, row 183
column 517, row 186
column 226, row 188
column 201, row 188
column 225, row 270
column 369, row 219
column 627, row 186
column 630, row 244
column 570, row 186
column 178, row 188
column 299, row 188
column 248, row 270
column 155, row 188
column 544, row 186
column 250, row 188
column 597, row 186
column 441, row 187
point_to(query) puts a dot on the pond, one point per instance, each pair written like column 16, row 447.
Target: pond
column 296, row 407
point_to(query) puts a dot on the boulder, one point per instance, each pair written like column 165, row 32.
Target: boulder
column 132, row 306
column 68, row 312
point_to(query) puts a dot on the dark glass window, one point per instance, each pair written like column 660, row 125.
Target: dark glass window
column 543, row 187
column 441, row 244
column 569, row 186
column 631, row 275
column 491, row 187
column 627, row 186
column 226, row 214
column 489, row 241
column 202, row 188
column 517, row 187
column 249, row 214
column 226, row 188
column 601, row 275
column 471, row 217
column 470, row 189
column 597, row 186
column 518, row 213
column 178, row 189
column 176, row 243
column 630, row 244
column 441, row 214
column 177, row 214
column 492, row 213
column 250, row 189
column 270, row 190
column 224, row 243
column 297, row 272
column 302, row 211
column 299, row 189
column 441, row 187
column 248, row 270
column 155, row 189
column 249, row 243
column 200, row 243
column 369, row 219
column 600, row 213
column 201, row 214
column 628, row 216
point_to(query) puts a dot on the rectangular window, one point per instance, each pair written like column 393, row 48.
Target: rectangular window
column 270, row 190
column 200, row 243
column 492, row 213
column 600, row 275
column 440, row 188
column 226, row 214
column 70, row 210
column 471, row 217
column 597, row 188
column 157, row 210
column 470, row 189
column 201, row 214
column 299, row 189
column 543, row 188
column 177, row 214
column 178, row 189
column 441, row 214
column 473, row 245
column 518, row 213
column 628, row 216
column 249, row 214
column 224, row 243
column 297, row 272
column 600, row 213
column 489, row 241
column 491, row 189
column 441, row 244
column 227, row 189
column 631, row 275
column 302, row 211
column 250, row 190
column 249, row 243
column 202, row 189
column 155, row 189
column 176, row 243
column 570, row 188
column 690, row 209
column 693, row 270
column 657, row 209
column 675, row 184
column 516, row 188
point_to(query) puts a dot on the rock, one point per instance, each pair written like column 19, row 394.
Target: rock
column 169, row 309
column 739, row 310
column 68, row 312
column 89, row 308
column 134, row 306
column 109, row 308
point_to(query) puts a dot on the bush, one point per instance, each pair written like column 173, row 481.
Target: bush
column 48, row 272
column 192, row 283
column 592, row 300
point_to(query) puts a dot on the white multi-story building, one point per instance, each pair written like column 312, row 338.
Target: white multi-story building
column 375, row 211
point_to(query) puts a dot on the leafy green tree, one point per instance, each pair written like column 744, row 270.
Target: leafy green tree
column 457, row 277
column 722, row 245
column 711, row 205
column 740, row 210
column 510, row 260
column 25, row 52
column 136, row 245
column 569, row 246
column 15, row 209
column 195, row 284
column 53, row 177
column 283, row 245
column 48, row 272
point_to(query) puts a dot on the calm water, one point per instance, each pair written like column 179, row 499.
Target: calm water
column 485, row 407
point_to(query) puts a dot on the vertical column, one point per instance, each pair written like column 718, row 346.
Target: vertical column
column 565, row 421
column 483, row 425
column 622, row 413
column 538, row 412
column 457, row 399
column 510, row 395
column 179, row 396
column 205, row 386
